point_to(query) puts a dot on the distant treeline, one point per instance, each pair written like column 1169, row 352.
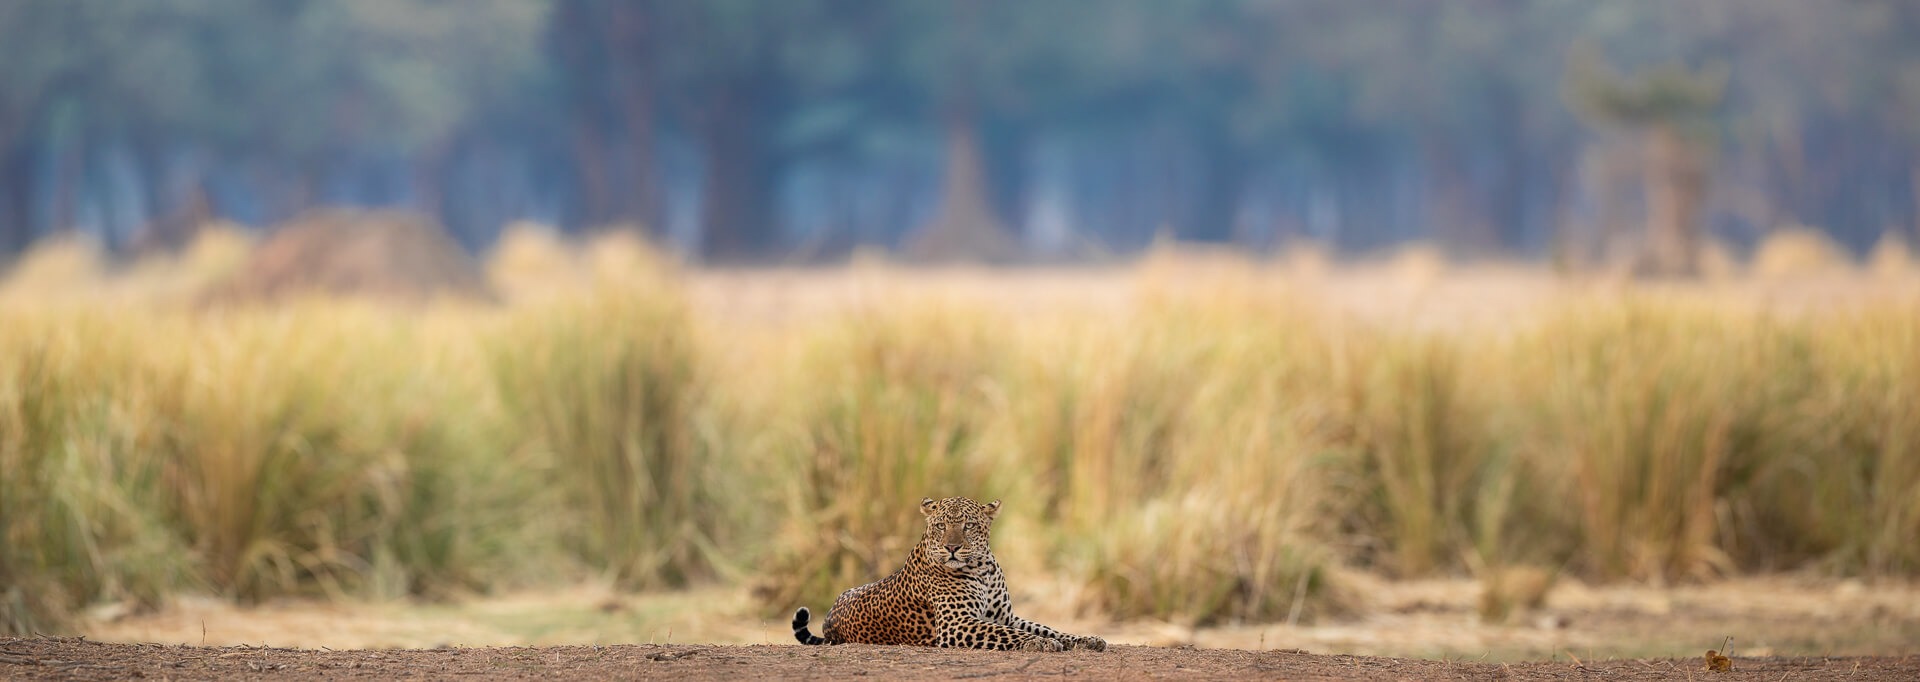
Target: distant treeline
column 748, row 129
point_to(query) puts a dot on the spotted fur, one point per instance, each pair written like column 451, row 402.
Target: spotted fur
column 950, row 593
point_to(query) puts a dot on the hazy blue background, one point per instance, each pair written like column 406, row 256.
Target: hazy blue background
column 755, row 130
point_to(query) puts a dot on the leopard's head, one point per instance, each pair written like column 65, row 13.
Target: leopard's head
column 957, row 532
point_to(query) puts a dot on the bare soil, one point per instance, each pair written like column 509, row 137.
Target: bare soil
column 1783, row 628
column 80, row 659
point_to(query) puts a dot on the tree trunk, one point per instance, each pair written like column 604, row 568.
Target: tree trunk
column 176, row 211
column 1913, row 177
column 16, row 197
column 1508, row 204
column 590, row 163
column 1507, row 200
column 577, row 36
column 66, row 186
column 429, row 178
column 1457, row 220
column 430, row 168
column 1676, row 183
column 310, row 190
column 1003, row 155
column 1788, row 177
column 630, row 39
column 737, row 219
column 964, row 228
column 1215, row 217
column 643, row 205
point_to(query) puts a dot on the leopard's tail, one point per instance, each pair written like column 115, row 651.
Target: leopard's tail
column 800, row 628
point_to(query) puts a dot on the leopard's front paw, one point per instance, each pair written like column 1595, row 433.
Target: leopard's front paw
column 1041, row 644
column 1088, row 643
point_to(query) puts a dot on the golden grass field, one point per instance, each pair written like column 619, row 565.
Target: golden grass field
column 1195, row 439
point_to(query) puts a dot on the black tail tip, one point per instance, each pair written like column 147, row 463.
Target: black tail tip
column 800, row 631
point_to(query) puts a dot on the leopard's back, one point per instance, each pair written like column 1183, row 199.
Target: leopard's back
column 897, row 609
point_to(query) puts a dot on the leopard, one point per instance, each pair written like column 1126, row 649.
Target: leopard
column 950, row 593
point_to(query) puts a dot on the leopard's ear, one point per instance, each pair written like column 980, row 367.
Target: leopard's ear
column 993, row 509
column 928, row 506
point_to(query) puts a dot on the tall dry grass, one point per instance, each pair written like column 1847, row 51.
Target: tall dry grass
column 78, row 522
column 251, row 454
column 609, row 390
column 1698, row 442
column 876, row 410
column 1193, row 474
column 1216, row 450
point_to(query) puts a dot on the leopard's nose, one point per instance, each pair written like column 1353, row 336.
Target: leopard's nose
column 953, row 549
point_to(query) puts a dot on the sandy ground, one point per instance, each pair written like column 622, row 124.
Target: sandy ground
column 79, row 659
column 1784, row 617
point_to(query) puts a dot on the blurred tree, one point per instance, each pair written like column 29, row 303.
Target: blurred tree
column 1363, row 121
column 761, row 87
column 308, row 85
column 1671, row 107
column 964, row 78
column 1903, row 80
column 605, row 51
column 1236, row 82
column 381, row 78
column 47, row 61
column 1489, row 128
column 738, row 74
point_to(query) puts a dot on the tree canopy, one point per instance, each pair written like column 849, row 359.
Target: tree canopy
column 741, row 129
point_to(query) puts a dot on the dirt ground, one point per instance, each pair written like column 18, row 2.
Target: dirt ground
column 80, row 659
column 1434, row 619
column 1781, row 626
